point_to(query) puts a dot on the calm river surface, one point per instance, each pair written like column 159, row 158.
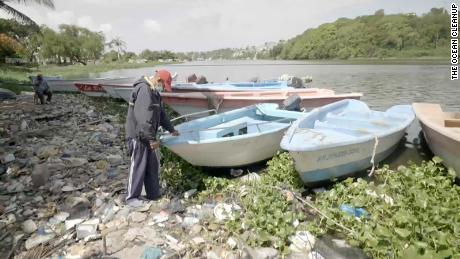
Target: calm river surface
column 382, row 85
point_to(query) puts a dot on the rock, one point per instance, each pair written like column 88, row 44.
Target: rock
column 189, row 222
column 29, row 226
column 95, row 137
column 303, row 242
column 58, row 218
column 69, row 188
column 37, row 240
column 137, row 216
column 151, row 253
column 71, row 202
column 40, row 175
column 7, row 158
column 114, row 159
column 250, row 177
column 319, row 190
column 24, row 125
column 26, row 213
column 132, row 234
column 87, row 229
column 223, row 211
column 195, row 230
column 328, row 248
column 218, row 253
column 176, row 206
column 236, row 172
column 16, row 187
column 161, row 217
column 102, row 165
column 72, row 222
column 105, row 127
column 232, row 243
column 189, row 193
column 76, row 161
column 11, row 218
column 198, row 240
column 262, row 252
column 114, row 240
column 47, row 151
column 91, row 113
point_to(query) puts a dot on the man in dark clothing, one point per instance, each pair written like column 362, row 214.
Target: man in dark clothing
column 41, row 88
column 145, row 114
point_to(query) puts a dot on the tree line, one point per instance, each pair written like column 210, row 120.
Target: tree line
column 378, row 35
column 69, row 44
column 371, row 36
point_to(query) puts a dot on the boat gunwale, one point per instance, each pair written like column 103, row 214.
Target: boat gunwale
column 425, row 119
column 357, row 140
column 232, row 138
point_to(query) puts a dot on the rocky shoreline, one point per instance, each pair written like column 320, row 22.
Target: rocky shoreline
column 63, row 173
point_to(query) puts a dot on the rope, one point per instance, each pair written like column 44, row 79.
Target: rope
column 373, row 155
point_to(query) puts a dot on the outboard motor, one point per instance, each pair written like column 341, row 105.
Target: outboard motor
column 201, row 80
column 296, row 82
column 253, row 79
column 191, row 78
column 292, row 103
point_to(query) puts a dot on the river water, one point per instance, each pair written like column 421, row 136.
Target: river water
column 382, row 86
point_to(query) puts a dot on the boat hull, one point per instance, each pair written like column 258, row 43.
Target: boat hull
column 60, row 85
column 197, row 102
column 446, row 148
column 91, row 89
column 231, row 86
column 233, row 153
column 318, row 167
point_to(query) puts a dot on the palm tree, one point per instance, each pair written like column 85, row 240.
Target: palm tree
column 118, row 44
column 20, row 16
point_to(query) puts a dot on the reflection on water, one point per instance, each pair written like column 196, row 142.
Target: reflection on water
column 382, row 85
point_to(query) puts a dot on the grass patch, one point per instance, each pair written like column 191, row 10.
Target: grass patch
column 20, row 74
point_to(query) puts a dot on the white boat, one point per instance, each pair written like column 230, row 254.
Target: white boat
column 62, row 85
column 441, row 131
column 196, row 102
column 338, row 139
column 236, row 138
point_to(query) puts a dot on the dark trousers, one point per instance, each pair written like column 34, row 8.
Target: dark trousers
column 144, row 170
column 41, row 96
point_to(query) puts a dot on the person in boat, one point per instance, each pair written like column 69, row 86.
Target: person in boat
column 145, row 115
column 41, row 89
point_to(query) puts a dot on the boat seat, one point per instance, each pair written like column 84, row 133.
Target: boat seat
column 240, row 126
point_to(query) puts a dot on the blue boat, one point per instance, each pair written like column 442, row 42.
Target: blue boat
column 342, row 138
column 231, row 86
column 235, row 138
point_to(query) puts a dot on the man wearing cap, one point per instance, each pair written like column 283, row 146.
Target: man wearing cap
column 145, row 115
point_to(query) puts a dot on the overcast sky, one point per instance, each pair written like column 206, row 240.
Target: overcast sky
column 184, row 25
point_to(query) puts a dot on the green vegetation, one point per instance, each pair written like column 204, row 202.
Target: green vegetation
column 378, row 35
column 413, row 212
column 16, row 78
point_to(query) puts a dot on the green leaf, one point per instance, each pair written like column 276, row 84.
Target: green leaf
column 444, row 254
column 437, row 159
column 402, row 232
column 410, row 252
